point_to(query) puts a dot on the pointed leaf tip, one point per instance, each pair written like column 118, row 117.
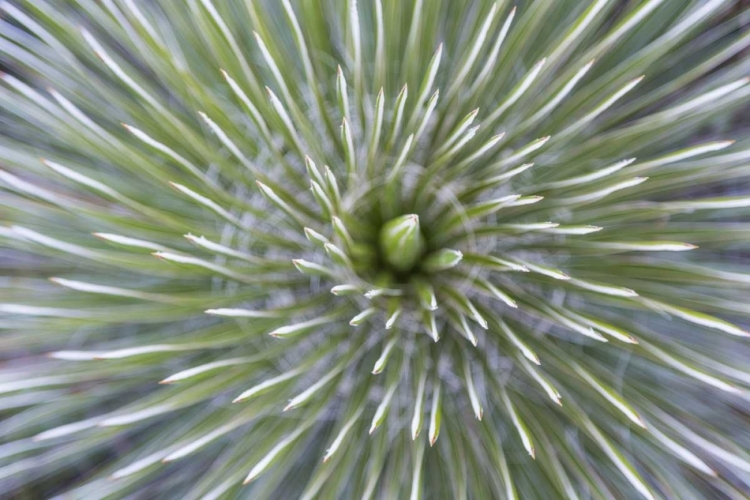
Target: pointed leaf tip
column 443, row 259
column 315, row 237
column 361, row 317
column 401, row 241
column 342, row 290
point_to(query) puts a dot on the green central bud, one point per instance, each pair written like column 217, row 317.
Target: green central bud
column 401, row 242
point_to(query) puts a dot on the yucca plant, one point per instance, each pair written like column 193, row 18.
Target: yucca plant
column 393, row 249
